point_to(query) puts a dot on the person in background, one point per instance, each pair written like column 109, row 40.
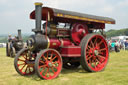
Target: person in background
column 113, row 46
column 117, row 45
column 9, row 38
column 109, row 44
column 126, row 44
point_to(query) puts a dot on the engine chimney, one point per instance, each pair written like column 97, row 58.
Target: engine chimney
column 38, row 17
column 19, row 34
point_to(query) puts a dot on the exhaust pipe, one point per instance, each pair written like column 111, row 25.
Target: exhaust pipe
column 38, row 17
column 19, row 34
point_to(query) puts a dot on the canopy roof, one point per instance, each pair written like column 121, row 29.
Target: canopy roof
column 69, row 16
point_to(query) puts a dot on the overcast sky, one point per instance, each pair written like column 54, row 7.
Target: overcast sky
column 14, row 14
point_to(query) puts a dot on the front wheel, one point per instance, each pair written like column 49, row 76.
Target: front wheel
column 12, row 52
column 48, row 64
column 94, row 53
column 24, row 63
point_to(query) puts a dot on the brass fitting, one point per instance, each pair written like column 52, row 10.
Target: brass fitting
column 38, row 3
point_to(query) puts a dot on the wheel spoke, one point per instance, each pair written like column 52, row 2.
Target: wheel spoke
column 42, row 70
column 49, row 72
column 89, row 57
column 24, row 57
column 21, row 64
column 46, row 72
column 42, row 66
column 55, row 67
column 92, row 44
column 101, row 56
column 52, row 70
column 53, row 58
column 21, row 60
column 27, row 57
column 98, row 61
column 23, row 67
column 100, row 43
column 41, row 62
column 94, row 64
column 95, row 41
column 100, row 52
column 55, row 62
column 26, row 69
column 90, row 47
column 102, row 49
column 45, row 58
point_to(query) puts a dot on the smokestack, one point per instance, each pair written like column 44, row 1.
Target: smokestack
column 38, row 17
column 19, row 34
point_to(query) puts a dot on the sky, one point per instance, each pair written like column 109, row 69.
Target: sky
column 14, row 14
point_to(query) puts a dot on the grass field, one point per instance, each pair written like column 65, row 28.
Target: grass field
column 116, row 73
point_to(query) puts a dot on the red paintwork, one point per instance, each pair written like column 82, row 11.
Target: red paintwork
column 78, row 32
column 56, row 43
column 66, row 42
column 97, row 62
column 71, row 51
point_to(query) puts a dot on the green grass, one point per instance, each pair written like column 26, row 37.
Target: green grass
column 116, row 73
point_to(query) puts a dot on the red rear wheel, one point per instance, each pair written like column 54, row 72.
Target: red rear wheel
column 48, row 64
column 94, row 53
column 24, row 64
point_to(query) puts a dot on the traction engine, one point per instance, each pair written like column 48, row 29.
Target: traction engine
column 14, row 45
column 54, row 46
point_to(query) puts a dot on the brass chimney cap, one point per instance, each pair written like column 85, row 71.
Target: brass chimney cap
column 38, row 3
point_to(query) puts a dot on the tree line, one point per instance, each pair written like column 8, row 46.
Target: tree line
column 111, row 33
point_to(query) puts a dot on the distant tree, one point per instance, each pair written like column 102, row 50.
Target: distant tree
column 111, row 33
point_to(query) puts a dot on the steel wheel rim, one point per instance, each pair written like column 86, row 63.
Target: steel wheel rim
column 96, row 53
column 49, row 65
column 24, row 67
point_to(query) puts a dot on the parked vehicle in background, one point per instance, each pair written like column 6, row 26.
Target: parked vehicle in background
column 14, row 44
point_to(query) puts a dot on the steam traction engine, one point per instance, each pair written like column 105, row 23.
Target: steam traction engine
column 70, row 46
column 14, row 45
